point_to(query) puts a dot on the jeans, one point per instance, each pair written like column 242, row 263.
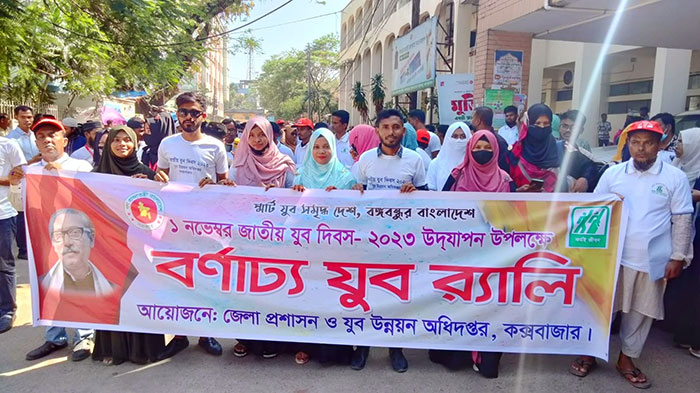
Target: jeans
column 7, row 266
column 21, row 234
column 59, row 336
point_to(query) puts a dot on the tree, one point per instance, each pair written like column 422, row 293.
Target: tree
column 359, row 100
column 378, row 95
column 282, row 85
column 242, row 100
column 250, row 46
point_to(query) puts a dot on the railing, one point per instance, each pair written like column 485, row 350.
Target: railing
column 9, row 108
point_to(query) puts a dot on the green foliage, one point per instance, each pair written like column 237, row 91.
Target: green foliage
column 377, row 89
column 242, row 100
column 359, row 100
column 282, row 84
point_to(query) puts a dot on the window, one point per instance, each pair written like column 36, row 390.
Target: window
column 623, row 107
column 694, row 81
column 623, row 89
column 692, row 103
column 565, row 95
column 472, row 39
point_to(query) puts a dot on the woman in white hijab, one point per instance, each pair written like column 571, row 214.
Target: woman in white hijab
column 451, row 155
column 689, row 162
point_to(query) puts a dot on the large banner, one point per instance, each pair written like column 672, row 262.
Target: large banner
column 508, row 70
column 415, row 59
column 530, row 273
column 455, row 97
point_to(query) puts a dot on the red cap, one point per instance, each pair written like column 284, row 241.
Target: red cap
column 646, row 125
column 47, row 121
column 423, row 136
column 280, row 122
column 304, row 122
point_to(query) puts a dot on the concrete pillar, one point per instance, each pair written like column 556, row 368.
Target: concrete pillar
column 388, row 65
column 586, row 77
column 463, row 27
column 671, row 71
column 537, row 63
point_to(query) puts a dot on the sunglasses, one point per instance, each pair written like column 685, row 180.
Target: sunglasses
column 192, row 112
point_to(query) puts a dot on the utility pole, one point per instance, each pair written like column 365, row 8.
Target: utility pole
column 308, row 82
column 415, row 17
column 250, row 64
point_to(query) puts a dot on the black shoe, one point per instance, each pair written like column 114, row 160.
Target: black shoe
column 6, row 322
column 211, row 346
column 398, row 361
column 82, row 350
column 175, row 346
column 22, row 255
column 359, row 358
column 45, row 349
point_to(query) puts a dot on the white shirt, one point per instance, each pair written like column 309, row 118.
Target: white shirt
column 342, row 150
column 652, row 197
column 285, row 150
column 434, row 144
column 27, row 142
column 510, row 134
column 190, row 162
column 85, row 153
column 300, row 153
column 426, row 158
column 378, row 171
column 10, row 157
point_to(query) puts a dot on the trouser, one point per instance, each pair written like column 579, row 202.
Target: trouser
column 7, row 266
column 59, row 336
column 603, row 142
column 634, row 329
column 21, row 234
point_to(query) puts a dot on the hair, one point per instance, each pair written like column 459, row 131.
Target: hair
column 417, row 114
column 430, row 128
column 442, row 129
column 276, row 129
column 631, row 119
column 22, row 108
column 191, row 96
column 644, row 109
column 320, row 124
column 344, row 116
column 603, row 114
column 387, row 113
column 86, row 220
column 3, row 116
column 485, row 114
column 573, row 115
column 214, row 129
column 228, row 120
column 667, row 118
column 510, row 109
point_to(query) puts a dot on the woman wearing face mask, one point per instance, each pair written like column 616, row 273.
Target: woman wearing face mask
column 452, row 154
column 322, row 170
column 119, row 158
column 537, row 157
column 479, row 172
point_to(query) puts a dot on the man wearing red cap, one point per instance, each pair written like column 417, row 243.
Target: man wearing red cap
column 423, row 138
column 51, row 141
column 305, row 127
column 656, row 245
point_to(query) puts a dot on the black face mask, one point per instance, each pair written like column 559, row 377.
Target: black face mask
column 482, row 156
column 539, row 134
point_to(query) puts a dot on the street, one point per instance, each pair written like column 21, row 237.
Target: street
column 670, row 369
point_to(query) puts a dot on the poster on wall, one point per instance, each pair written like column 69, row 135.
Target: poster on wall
column 414, row 59
column 508, row 69
column 455, row 97
column 498, row 100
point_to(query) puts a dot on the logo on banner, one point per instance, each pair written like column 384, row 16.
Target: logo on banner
column 144, row 209
column 589, row 227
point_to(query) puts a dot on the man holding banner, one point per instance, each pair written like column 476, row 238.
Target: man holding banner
column 656, row 246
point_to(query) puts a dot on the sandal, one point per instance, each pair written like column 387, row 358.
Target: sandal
column 581, row 367
column 301, row 358
column 637, row 375
column 240, row 350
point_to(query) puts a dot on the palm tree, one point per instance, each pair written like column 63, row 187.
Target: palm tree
column 359, row 100
column 378, row 95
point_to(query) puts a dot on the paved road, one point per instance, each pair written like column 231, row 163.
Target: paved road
column 670, row 369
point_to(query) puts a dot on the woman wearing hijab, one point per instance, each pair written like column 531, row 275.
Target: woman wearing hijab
column 410, row 137
column 451, row 154
column 259, row 163
column 689, row 162
column 119, row 158
column 479, row 172
column 362, row 138
column 536, row 155
column 322, row 170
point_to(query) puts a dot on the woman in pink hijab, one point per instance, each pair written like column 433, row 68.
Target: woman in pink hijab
column 480, row 172
column 362, row 137
column 257, row 161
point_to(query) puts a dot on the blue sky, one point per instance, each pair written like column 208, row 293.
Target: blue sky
column 277, row 39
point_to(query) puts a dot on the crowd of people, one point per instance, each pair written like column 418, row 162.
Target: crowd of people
column 535, row 151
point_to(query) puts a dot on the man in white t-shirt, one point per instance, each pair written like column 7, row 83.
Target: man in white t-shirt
column 423, row 138
column 304, row 127
column 51, row 141
column 339, row 125
column 656, row 245
column 416, row 118
column 389, row 167
column 509, row 131
column 195, row 158
column 10, row 157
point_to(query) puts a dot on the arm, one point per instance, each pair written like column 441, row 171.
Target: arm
column 681, row 233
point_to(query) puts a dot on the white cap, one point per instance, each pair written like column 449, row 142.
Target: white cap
column 69, row 122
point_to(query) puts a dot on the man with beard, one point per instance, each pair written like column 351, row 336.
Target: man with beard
column 509, row 131
column 75, row 138
column 389, row 167
column 656, row 245
column 305, row 127
column 196, row 158
column 87, row 152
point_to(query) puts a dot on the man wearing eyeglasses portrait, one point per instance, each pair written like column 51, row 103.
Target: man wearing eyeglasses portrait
column 73, row 237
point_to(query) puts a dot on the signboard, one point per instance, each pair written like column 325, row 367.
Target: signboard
column 455, row 97
column 508, row 70
column 498, row 100
column 414, row 59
